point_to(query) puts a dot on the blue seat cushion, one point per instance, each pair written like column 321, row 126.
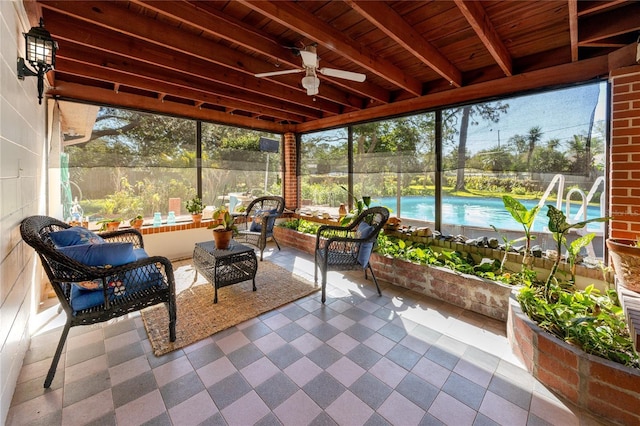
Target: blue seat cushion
column 85, row 296
column 256, row 223
column 74, row 236
column 108, row 254
column 364, row 231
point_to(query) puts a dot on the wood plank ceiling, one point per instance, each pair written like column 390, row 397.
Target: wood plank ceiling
column 198, row 59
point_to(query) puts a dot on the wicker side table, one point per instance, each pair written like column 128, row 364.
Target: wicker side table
column 225, row 267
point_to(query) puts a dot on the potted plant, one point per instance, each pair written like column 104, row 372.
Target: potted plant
column 223, row 228
column 109, row 225
column 136, row 222
column 625, row 255
column 195, row 207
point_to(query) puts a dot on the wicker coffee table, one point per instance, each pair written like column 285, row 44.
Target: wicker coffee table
column 225, row 267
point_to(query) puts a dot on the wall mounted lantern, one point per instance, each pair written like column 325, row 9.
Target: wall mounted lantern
column 40, row 52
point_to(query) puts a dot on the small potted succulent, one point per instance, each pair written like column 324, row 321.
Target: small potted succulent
column 136, row 222
column 195, row 207
column 223, row 227
column 109, row 225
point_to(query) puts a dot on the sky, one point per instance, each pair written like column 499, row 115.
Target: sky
column 560, row 114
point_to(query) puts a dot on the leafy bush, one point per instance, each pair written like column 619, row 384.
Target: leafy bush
column 301, row 225
column 457, row 261
column 585, row 318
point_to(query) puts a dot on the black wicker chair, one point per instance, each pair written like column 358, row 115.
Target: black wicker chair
column 342, row 248
column 260, row 217
column 124, row 289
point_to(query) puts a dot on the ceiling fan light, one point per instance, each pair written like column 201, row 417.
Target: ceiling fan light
column 311, row 83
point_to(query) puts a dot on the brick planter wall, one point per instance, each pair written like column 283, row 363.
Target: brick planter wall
column 297, row 240
column 604, row 388
column 467, row 291
column 476, row 294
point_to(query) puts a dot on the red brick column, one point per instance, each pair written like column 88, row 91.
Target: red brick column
column 624, row 177
column 291, row 181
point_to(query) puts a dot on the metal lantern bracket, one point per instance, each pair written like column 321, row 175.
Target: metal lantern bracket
column 24, row 70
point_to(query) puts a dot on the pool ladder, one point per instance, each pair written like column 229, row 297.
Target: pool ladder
column 581, row 215
column 586, row 198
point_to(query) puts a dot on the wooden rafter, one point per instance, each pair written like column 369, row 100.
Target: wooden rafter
column 215, row 23
column 303, row 22
column 573, row 28
column 200, row 57
column 115, row 18
column 475, row 14
column 610, row 23
column 174, row 88
column 81, row 92
column 392, row 24
column 117, row 54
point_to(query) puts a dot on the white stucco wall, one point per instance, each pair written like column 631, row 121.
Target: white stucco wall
column 175, row 245
column 22, row 161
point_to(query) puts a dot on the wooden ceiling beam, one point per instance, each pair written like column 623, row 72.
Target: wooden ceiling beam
column 80, row 92
column 305, row 23
column 212, row 21
column 573, row 28
column 140, row 81
column 395, row 27
column 608, row 24
column 476, row 16
column 131, row 72
column 112, row 16
column 107, row 43
column 594, row 6
column 570, row 73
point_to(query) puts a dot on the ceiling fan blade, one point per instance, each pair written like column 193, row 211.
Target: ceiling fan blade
column 274, row 73
column 348, row 75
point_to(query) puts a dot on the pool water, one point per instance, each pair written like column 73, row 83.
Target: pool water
column 477, row 212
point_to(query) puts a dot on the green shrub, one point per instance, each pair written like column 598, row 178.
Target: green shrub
column 301, row 225
column 592, row 321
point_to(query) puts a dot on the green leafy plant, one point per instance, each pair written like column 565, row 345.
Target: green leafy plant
column 194, row 206
column 223, row 220
column 104, row 223
column 507, row 246
column 359, row 206
column 524, row 217
column 585, row 318
column 559, row 227
column 301, row 225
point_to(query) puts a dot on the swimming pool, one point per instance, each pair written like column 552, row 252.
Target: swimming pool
column 478, row 212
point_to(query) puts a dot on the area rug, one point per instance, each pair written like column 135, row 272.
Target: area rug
column 199, row 318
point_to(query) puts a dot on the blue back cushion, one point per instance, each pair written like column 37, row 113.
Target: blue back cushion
column 74, row 236
column 364, row 231
column 256, row 224
column 114, row 254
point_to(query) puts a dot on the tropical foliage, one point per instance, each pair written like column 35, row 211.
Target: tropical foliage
column 585, row 318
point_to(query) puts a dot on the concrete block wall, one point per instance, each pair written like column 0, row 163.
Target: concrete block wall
column 23, row 159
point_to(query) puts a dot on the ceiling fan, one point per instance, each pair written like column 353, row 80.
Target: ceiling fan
column 310, row 67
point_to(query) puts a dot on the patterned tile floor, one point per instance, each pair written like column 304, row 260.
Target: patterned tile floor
column 400, row 359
